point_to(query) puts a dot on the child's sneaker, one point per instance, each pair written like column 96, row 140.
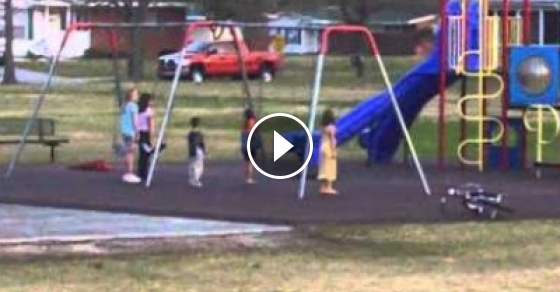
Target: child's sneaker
column 250, row 181
column 196, row 184
column 131, row 178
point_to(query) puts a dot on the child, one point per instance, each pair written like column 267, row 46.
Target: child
column 146, row 127
column 197, row 151
column 250, row 119
column 128, row 117
column 327, row 164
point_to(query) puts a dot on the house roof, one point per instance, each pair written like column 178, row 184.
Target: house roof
column 153, row 4
column 298, row 18
column 395, row 17
column 24, row 4
column 390, row 16
column 535, row 4
column 329, row 13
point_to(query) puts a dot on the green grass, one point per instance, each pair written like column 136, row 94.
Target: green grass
column 296, row 70
column 513, row 257
column 86, row 113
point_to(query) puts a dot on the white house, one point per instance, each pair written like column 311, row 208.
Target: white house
column 39, row 28
column 298, row 40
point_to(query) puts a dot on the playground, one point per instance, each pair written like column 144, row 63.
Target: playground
column 377, row 195
column 479, row 110
column 382, row 234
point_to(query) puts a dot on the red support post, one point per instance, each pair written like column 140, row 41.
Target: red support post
column 348, row 28
column 527, row 22
column 526, row 41
column 505, row 77
column 443, row 68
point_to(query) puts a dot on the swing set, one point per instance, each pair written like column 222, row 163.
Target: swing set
column 217, row 29
column 112, row 35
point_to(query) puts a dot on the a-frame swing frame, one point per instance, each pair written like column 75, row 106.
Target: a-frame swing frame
column 190, row 27
column 374, row 51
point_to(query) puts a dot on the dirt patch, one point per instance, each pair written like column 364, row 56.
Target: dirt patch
column 155, row 245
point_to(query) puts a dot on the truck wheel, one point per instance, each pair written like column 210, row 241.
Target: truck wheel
column 266, row 74
column 197, row 75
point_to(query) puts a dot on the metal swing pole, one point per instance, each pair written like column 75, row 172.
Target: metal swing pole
column 242, row 66
column 245, row 76
column 169, row 107
column 38, row 105
column 116, row 68
column 316, row 92
column 312, row 117
column 118, row 88
column 400, row 117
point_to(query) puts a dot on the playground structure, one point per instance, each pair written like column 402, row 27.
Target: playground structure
column 475, row 34
column 191, row 29
column 472, row 36
column 218, row 29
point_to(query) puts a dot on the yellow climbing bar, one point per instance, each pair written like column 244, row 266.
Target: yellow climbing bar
column 538, row 129
column 488, row 56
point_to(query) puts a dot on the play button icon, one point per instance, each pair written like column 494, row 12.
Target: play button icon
column 281, row 146
column 283, row 138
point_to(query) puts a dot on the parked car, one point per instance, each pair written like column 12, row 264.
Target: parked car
column 219, row 59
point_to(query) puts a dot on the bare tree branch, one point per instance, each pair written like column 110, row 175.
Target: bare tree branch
column 359, row 11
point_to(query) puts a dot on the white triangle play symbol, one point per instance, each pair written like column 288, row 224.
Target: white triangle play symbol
column 281, row 146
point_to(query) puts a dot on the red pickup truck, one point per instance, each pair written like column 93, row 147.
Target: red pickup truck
column 219, row 59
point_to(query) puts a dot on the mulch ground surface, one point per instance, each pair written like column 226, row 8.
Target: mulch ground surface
column 379, row 194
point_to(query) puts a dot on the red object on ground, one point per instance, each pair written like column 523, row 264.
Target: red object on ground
column 96, row 165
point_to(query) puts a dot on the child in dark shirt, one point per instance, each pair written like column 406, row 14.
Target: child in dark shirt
column 197, row 152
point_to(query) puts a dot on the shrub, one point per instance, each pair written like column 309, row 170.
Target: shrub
column 93, row 53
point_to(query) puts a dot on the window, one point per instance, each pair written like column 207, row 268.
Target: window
column 63, row 20
column 222, row 48
column 82, row 15
column 30, row 24
column 19, row 32
column 293, row 36
column 551, row 24
column 196, row 47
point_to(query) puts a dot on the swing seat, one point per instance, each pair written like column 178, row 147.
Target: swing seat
column 94, row 166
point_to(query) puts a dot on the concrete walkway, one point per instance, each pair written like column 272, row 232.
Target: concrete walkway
column 34, row 77
column 24, row 225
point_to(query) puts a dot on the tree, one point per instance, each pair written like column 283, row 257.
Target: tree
column 134, row 12
column 240, row 10
column 9, row 66
column 358, row 11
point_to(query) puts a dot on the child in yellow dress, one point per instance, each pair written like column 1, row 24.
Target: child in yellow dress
column 327, row 163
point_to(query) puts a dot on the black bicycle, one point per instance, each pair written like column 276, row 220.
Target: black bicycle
column 478, row 201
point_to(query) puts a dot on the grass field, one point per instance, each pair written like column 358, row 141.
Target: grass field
column 87, row 114
column 513, row 257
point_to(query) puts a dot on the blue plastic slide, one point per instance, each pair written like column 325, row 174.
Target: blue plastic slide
column 383, row 133
column 375, row 120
